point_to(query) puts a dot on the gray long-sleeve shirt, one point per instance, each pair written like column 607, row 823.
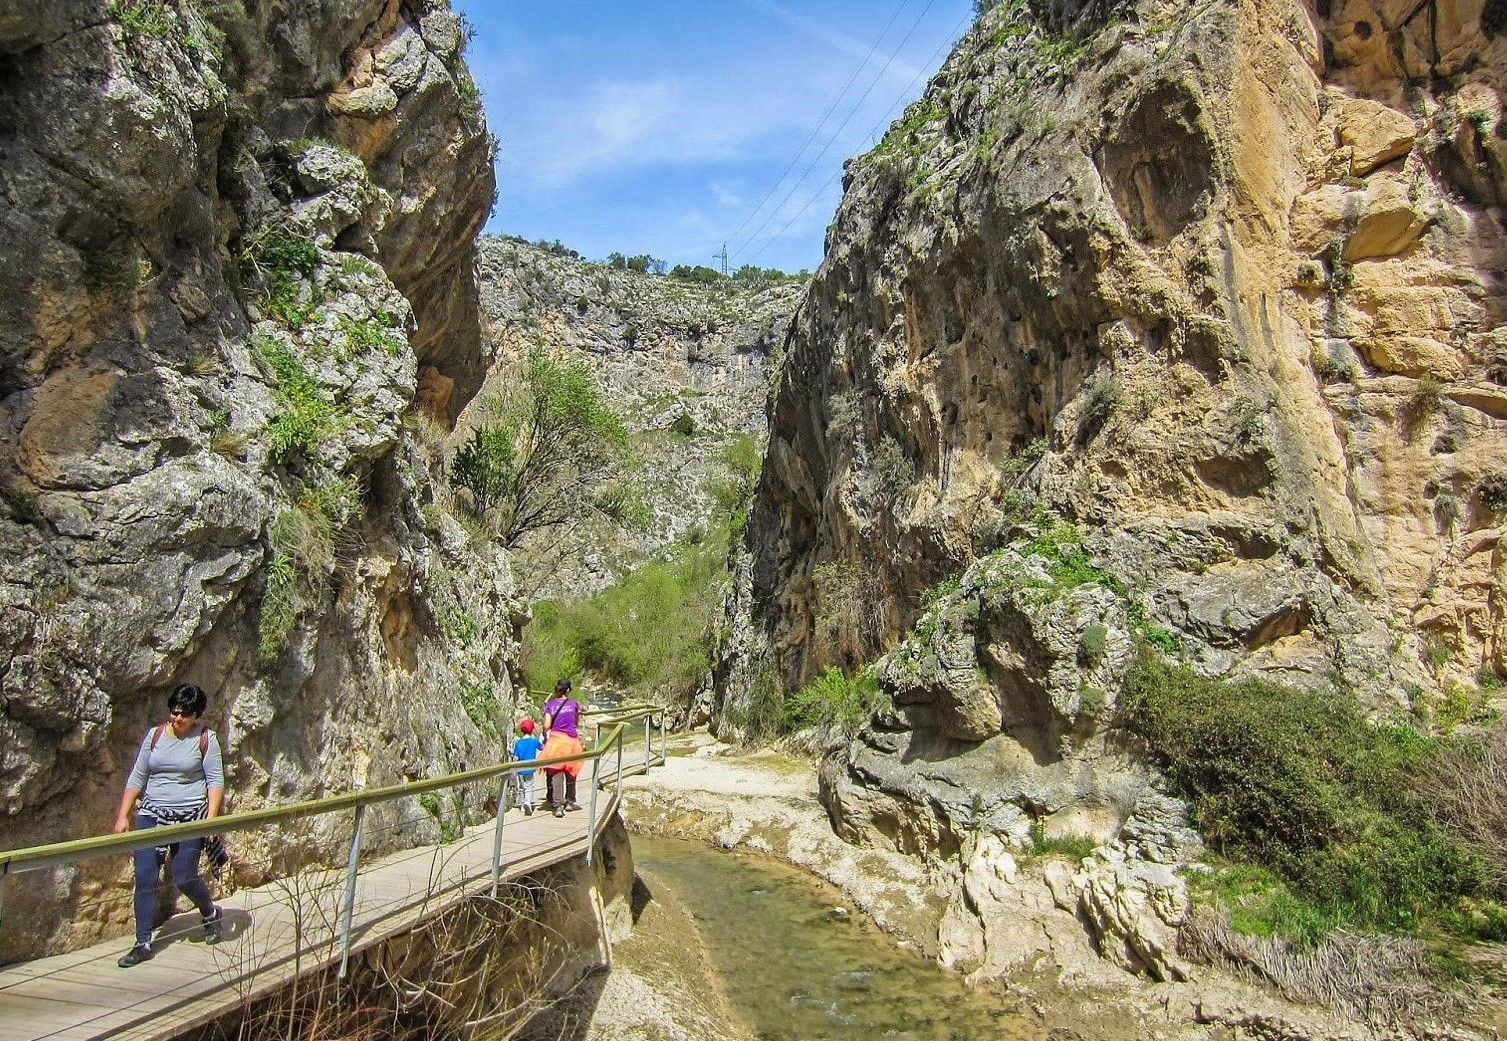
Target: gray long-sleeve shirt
column 172, row 775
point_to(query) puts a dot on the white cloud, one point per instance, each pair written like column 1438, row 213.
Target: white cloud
column 620, row 123
column 900, row 70
column 727, row 195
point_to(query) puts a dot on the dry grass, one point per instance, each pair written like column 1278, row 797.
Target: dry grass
column 482, row 968
column 1376, row 977
column 1467, row 786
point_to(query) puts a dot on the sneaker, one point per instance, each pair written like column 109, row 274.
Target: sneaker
column 559, row 811
column 528, row 810
column 213, row 927
column 572, row 806
column 135, row 956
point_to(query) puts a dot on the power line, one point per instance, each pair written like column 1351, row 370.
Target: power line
column 825, row 116
column 849, row 118
column 883, row 123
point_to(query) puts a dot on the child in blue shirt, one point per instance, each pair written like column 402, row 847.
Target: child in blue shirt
column 526, row 747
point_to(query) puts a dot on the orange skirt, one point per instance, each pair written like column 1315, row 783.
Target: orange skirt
column 561, row 744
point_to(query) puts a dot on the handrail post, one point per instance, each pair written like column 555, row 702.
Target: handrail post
column 348, row 908
column 502, row 805
column 664, row 746
column 646, row 744
column 618, row 787
column 591, row 818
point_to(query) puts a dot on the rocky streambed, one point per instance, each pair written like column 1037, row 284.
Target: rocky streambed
column 762, row 806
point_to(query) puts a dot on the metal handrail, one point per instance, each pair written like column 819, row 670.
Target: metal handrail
column 33, row 858
column 37, row 857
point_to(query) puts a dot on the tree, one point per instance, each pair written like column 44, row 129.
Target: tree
column 699, row 273
column 540, row 451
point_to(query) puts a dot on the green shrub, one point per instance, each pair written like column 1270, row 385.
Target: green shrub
column 1437, row 650
column 137, row 17
column 1061, row 548
column 1341, row 274
column 308, row 414
column 761, row 716
column 286, row 261
column 361, row 337
column 1071, row 847
column 22, row 507
column 893, row 469
column 1261, row 904
column 945, row 588
column 541, row 451
column 468, row 93
column 1299, row 783
column 1488, row 678
column 731, row 495
column 652, row 630
column 1426, row 399
column 1093, row 640
column 1493, row 490
column 834, row 702
column 482, row 708
column 115, row 267
column 303, row 544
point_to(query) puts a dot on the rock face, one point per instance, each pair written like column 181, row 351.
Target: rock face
column 238, row 271
column 1152, row 323
column 686, row 366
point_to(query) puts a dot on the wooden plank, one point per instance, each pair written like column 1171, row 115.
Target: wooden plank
column 82, row 995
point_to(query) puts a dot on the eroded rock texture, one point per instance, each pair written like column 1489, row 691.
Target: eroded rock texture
column 1219, row 288
column 685, row 365
column 237, row 245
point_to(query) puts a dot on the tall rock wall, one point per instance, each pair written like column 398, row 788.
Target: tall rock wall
column 1217, row 289
column 236, row 258
column 685, row 365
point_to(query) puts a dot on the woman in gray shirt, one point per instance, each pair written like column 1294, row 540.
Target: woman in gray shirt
column 178, row 777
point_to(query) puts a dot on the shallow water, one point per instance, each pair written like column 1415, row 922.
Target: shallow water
column 796, row 970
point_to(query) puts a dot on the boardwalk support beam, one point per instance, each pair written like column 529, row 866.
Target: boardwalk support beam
column 502, row 806
column 591, row 818
column 348, row 906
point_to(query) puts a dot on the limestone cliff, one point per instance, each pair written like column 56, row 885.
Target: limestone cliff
column 686, row 365
column 1216, row 290
column 237, row 243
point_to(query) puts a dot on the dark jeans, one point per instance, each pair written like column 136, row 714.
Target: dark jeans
column 185, row 859
column 562, row 788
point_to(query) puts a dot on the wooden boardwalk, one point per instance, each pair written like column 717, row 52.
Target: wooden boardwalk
column 84, row 995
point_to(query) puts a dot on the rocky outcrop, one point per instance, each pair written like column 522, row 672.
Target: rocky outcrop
column 1144, row 324
column 1245, row 337
column 239, row 269
column 686, row 365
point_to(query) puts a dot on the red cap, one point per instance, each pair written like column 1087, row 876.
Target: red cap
column 527, row 726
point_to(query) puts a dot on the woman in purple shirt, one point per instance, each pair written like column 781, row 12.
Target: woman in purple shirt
column 562, row 714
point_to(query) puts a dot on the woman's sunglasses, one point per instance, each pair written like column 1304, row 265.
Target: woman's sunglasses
column 180, row 713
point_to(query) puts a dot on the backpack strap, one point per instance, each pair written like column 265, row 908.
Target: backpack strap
column 161, row 729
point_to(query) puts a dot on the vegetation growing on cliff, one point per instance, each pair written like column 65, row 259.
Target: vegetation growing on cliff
column 1339, row 812
column 650, row 631
column 834, row 702
column 539, row 452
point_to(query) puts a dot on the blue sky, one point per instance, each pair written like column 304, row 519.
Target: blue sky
column 659, row 128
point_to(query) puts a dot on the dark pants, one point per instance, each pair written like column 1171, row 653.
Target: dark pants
column 562, row 788
column 185, row 859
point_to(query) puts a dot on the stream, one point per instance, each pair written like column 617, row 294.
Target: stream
column 796, row 968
